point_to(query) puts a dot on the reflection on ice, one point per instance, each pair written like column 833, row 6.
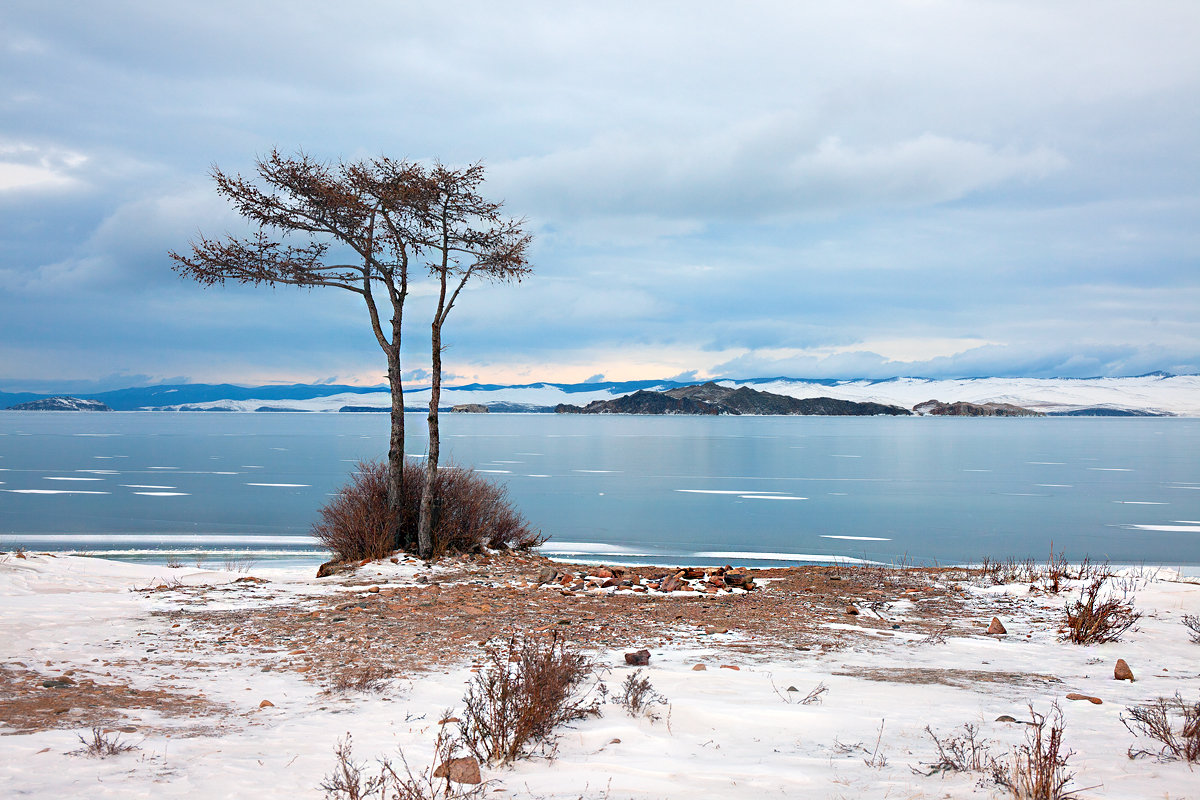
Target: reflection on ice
column 1168, row 528
column 738, row 492
column 769, row 497
column 855, row 538
column 52, row 491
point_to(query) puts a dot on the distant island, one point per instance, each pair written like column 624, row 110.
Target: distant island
column 712, row 398
column 960, row 409
column 60, row 404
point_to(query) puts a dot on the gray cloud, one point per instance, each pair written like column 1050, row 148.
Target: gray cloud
column 773, row 188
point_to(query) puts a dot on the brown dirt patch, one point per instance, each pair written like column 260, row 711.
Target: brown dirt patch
column 958, row 678
column 411, row 628
column 31, row 701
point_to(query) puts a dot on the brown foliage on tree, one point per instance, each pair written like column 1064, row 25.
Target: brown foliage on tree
column 471, row 239
column 389, row 215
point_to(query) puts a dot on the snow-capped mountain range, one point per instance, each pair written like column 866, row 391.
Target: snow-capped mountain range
column 1156, row 393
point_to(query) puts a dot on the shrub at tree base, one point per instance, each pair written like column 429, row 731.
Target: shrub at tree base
column 474, row 514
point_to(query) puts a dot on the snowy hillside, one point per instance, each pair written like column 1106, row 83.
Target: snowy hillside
column 1160, row 394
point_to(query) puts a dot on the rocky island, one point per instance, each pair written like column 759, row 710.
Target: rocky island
column 711, row 398
column 60, row 404
column 962, row 409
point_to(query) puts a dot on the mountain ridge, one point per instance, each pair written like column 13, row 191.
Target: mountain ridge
column 1158, row 393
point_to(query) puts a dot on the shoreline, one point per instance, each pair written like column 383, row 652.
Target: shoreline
column 200, row 650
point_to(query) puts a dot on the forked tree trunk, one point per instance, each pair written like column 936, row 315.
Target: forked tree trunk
column 427, row 522
column 401, row 540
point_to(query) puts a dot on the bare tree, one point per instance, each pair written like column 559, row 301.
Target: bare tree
column 469, row 238
column 376, row 212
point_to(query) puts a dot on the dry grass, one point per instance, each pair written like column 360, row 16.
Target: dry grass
column 360, row 678
column 239, row 562
column 102, row 746
column 1093, row 620
column 1178, row 741
column 637, row 696
column 1038, row 768
column 475, row 514
column 527, row 688
column 349, row 779
column 961, row 752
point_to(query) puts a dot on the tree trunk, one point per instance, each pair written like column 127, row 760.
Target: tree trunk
column 401, row 540
column 425, row 526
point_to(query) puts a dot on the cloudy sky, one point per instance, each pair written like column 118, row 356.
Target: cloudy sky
column 813, row 189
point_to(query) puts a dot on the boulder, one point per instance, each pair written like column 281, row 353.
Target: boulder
column 1122, row 672
column 735, row 579
column 639, row 659
column 672, row 584
column 459, row 770
column 996, row 628
column 333, row 568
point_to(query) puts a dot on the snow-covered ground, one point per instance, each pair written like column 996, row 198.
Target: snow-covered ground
column 1174, row 394
column 725, row 732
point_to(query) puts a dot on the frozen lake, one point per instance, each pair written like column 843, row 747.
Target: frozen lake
column 752, row 490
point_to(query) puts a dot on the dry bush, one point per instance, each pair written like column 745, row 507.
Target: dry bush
column 1154, row 720
column 1038, row 768
column 962, row 752
column 475, row 513
column 349, row 781
column 1091, row 620
column 239, row 562
column 174, row 562
column 363, row 678
column 1192, row 623
column 527, row 688
column 791, row 695
column 1009, row 571
column 638, row 697
column 101, row 746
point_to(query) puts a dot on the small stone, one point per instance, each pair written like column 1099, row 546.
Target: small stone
column 546, row 575
column 1093, row 700
column 1122, row 672
column 639, row 659
column 1005, row 718
column 791, row 689
column 373, row 590
column 713, row 629
column 730, row 666
column 604, row 572
column 852, row 611
column 996, row 628
column 735, row 579
column 459, row 770
column 394, row 560
column 266, row 704
column 615, row 741
column 699, row 668
column 60, row 683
